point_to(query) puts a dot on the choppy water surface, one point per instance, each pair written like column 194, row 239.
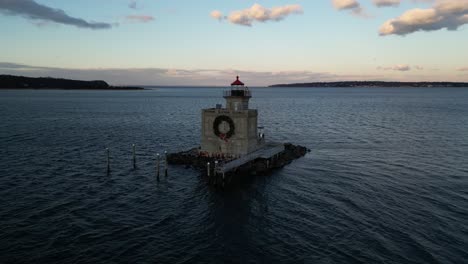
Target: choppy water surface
column 386, row 181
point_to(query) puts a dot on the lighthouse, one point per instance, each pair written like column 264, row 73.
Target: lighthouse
column 231, row 130
column 231, row 146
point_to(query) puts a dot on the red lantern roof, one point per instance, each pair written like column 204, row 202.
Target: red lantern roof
column 237, row 82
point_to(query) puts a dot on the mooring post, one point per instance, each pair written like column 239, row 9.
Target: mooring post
column 134, row 156
column 108, row 160
column 157, row 166
column 208, row 169
column 215, row 172
column 165, row 164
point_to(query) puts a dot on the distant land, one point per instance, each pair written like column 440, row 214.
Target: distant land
column 21, row 82
column 374, row 84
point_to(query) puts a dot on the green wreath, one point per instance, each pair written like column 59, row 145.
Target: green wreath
column 218, row 120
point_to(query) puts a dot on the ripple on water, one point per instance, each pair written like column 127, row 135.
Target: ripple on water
column 386, row 180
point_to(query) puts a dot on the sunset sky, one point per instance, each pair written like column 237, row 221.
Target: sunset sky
column 206, row 42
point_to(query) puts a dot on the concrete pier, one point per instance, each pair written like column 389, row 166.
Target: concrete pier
column 262, row 161
column 266, row 152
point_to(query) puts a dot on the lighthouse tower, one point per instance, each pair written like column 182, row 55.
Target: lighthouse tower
column 231, row 131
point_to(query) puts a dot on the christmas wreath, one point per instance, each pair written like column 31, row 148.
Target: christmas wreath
column 220, row 119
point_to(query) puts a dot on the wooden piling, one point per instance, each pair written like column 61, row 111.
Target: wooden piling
column 134, row 156
column 165, row 164
column 108, row 160
column 215, row 174
column 157, row 166
column 208, row 169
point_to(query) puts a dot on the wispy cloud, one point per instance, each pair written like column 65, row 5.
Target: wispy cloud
column 449, row 14
column 171, row 76
column 32, row 10
column 350, row 5
column 216, row 77
column 258, row 13
column 140, row 18
column 385, row 3
column 216, row 14
column 423, row 1
column 9, row 65
column 399, row 67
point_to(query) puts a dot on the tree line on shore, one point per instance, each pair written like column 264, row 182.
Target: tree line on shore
column 373, row 84
column 21, row 82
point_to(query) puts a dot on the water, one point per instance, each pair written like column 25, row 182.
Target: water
column 386, row 181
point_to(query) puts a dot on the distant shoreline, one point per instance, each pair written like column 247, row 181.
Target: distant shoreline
column 111, row 88
column 11, row 82
column 377, row 84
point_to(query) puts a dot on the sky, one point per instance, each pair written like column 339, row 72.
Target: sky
column 206, row 42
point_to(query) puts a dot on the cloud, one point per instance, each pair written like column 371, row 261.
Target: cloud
column 449, row 14
column 258, row 13
column 171, row 76
column 210, row 77
column 32, row 10
column 350, row 5
column 385, row 3
column 9, row 65
column 216, row 14
column 132, row 4
column 399, row 67
column 345, row 4
column 139, row 18
column 423, row 1
column 462, row 69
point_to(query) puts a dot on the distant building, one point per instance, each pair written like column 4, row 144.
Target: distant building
column 231, row 131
